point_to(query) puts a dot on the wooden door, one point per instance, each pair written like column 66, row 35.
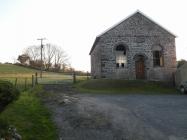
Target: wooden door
column 140, row 71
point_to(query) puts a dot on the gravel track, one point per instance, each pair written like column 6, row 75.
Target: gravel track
column 116, row 117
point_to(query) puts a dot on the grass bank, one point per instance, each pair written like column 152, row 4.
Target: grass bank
column 22, row 76
column 124, row 86
column 31, row 119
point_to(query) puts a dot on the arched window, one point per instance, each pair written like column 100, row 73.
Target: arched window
column 121, row 57
column 158, row 59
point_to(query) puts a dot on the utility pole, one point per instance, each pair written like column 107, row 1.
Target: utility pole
column 41, row 39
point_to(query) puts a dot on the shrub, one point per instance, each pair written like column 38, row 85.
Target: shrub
column 8, row 93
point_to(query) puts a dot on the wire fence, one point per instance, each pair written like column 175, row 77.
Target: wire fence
column 24, row 83
column 60, row 79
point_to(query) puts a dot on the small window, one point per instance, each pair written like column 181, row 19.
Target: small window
column 122, row 65
column 157, row 58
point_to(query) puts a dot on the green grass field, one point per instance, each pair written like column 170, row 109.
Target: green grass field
column 31, row 119
column 22, row 76
column 124, row 86
column 17, row 75
column 13, row 69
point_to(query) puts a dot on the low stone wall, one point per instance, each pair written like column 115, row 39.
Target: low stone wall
column 181, row 74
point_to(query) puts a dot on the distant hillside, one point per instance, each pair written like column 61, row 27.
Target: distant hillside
column 14, row 69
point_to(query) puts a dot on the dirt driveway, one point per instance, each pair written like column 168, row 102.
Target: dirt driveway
column 117, row 117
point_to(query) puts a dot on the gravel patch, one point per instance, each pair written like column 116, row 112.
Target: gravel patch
column 116, row 117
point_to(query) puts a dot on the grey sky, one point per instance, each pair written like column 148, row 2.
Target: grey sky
column 74, row 24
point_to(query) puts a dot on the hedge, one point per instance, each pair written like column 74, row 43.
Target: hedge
column 8, row 93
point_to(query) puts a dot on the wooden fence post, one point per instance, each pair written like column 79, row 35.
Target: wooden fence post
column 74, row 77
column 32, row 80
column 87, row 75
column 16, row 80
column 36, row 78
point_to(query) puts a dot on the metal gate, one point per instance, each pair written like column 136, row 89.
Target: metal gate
column 54, row 78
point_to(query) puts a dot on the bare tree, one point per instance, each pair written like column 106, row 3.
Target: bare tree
column 61, row 58
column 53, row 56
column 49, row 53
column 33, row 52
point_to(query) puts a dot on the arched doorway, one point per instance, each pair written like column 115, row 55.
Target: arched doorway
column 140, row 66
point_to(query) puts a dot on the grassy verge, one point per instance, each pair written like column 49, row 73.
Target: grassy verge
column 31, row 119
column 124, row 86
